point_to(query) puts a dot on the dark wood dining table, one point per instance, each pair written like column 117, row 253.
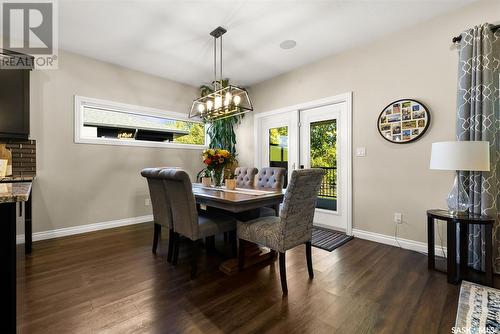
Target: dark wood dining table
column 244, row 203
column 237, row 200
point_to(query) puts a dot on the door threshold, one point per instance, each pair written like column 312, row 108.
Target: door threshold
column 331, row 228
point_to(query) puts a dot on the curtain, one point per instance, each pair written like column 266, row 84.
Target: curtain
column 478, row 118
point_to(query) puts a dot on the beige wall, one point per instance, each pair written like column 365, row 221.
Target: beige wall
column 80, row 184
column 418, row 62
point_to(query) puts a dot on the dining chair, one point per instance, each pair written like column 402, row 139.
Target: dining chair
column 294, row 225
column 187, row 221
column 273, row 178
column 162, row 213
column 245, row 176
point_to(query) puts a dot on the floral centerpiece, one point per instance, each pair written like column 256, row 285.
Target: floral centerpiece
column 216, row 159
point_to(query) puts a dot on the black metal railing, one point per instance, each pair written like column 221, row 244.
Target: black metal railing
column 329, row 185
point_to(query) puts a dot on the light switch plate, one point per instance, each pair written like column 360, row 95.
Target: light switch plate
column 361, row 151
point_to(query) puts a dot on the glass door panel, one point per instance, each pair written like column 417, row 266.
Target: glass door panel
column 278, row 149
column 323, row 154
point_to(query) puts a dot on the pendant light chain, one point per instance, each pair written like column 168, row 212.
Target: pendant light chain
column 215, row 63
column 220, row 62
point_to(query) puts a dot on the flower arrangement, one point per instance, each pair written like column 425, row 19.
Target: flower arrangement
column 216, row 159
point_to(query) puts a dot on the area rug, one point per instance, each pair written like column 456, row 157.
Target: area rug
column 328, row 239
column 478, row 309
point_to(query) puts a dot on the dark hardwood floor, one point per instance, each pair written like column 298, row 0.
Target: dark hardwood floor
column 110, row 282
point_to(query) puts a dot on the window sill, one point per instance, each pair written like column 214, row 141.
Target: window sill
column 138, row 143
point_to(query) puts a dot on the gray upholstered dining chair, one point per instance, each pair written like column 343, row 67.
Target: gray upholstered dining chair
column 162, row 213
column 271, row 177
column 274, row 178
column 187, row 221
column 294, row 225
column 245, row 176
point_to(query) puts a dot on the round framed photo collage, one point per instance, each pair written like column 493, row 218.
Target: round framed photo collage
column 403, row 121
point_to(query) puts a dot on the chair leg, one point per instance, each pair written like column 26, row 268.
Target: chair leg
column 284, row 287
column 156, row 236
column 309, row 260
column 176, row 241
column 241, row 257
column 171, row 242
column 194, row 258
column 272, row 253
column 210, row 244
column 234, row 243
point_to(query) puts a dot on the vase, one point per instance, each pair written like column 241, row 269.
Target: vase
column 230, row 184
column 217, row 177
column 206, row 181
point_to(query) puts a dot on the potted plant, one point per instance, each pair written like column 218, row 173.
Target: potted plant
column 231, row 182
column 215, row 159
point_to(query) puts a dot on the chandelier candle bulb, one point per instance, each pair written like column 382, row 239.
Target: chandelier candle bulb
column 237, row 100
column 209, row 105
column 218, row 102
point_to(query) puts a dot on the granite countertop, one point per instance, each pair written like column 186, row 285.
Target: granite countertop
column 17, row 179
column 15, row 192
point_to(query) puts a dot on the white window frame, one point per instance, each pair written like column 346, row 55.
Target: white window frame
column 81, row 101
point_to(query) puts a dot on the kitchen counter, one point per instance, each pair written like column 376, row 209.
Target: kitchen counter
column 26, row 178
column 15, row 192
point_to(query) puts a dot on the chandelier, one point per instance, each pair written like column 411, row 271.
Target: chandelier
column 222, row 102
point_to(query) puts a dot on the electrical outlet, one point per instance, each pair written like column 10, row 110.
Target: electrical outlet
column 398, row 217
column 147, row 201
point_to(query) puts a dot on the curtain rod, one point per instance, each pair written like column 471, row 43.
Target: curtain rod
column 459, row 37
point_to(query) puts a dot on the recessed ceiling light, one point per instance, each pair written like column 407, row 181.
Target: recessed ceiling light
column 288, row 44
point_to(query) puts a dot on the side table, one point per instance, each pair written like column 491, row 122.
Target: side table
column 455, row 275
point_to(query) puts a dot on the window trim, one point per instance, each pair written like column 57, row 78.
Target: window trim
column 81, row 101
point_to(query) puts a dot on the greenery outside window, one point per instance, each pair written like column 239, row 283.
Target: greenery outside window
column 112, row 123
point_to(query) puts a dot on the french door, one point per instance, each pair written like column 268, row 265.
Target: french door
column 310, row 136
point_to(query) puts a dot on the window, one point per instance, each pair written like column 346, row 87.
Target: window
column 112, row 123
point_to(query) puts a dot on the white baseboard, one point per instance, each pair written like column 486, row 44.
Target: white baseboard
column 62, row 232
column 391, row 240
column 366, row 235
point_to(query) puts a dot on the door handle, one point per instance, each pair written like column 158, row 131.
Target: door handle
column 301, row 166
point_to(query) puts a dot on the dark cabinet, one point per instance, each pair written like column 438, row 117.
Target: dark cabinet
column 14, row 102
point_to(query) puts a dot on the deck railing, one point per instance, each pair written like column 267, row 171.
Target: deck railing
column 329, row 185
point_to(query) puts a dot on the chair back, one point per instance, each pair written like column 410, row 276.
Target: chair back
column 162, row 213
column 245, row 176
column 182, row 202
column 299, row 205
column 271, row 177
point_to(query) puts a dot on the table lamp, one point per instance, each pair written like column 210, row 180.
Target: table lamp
column 471, row 156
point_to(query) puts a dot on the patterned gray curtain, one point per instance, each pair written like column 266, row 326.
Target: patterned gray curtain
column 478, row 118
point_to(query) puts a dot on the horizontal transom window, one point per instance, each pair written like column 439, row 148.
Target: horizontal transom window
column 112, row 123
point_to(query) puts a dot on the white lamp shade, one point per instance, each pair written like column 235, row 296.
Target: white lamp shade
column 461, row 155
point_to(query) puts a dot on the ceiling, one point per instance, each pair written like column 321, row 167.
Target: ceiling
column 171, row 38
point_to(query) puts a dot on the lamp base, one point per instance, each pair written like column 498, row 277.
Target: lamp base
column 458, row 199
column 458, row 213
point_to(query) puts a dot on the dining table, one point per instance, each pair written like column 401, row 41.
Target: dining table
column 243, row 204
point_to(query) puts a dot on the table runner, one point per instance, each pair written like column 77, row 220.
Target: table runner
column 245, row 191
